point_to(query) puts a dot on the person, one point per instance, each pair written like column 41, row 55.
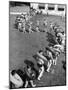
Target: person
column 62, row 37
column 55, row 52
column 16, row 78
column 51, row 25
column 23, row 26
column 59, row 48
column 20, row 20
column 45, row 22
column 40, row 64
column 20, row 27
column 21, row 78
column 37, row 26
column 55, row 27
column 26, row 17
column 50, row 58
column 30, row 27
column 52, row 54
column 31, row 74
column 46, row 56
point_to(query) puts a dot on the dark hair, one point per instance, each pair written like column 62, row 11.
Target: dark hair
column 62, row 32
column 28, row 66
column 13, row 72
column 40, row 51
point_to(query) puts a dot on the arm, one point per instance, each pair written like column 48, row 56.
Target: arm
column 41, row 56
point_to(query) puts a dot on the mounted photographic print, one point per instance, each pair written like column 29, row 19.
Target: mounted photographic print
column 37, row 44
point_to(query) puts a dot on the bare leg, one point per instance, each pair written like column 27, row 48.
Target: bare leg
column 55, row 61
column 33, row 85
column 26, row 84
column 41, row 72
column 49, row 65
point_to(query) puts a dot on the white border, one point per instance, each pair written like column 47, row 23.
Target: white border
column 4, row 43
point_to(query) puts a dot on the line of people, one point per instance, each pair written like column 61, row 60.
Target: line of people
column 21, row 22
column 49, row 56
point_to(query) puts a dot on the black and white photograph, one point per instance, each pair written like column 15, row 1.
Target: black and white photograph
column 37, row 44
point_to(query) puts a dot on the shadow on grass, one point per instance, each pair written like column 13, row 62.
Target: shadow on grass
column 51, row 39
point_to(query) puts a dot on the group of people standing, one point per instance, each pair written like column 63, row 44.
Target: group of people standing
column 24, row 20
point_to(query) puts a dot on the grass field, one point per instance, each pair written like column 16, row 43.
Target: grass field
column 23, row 46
